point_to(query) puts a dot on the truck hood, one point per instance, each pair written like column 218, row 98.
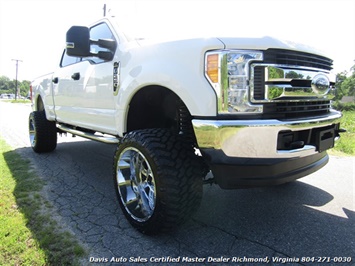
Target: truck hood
column 263, row 43
column 266, row 43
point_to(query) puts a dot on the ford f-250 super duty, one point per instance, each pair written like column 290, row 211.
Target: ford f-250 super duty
column 253, row 111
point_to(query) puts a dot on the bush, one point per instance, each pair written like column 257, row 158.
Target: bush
column 343, row 106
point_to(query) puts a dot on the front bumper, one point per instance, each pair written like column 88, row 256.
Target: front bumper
column 265, row 152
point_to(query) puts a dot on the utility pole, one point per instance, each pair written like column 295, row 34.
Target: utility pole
column 104, row 10
column 17, row 60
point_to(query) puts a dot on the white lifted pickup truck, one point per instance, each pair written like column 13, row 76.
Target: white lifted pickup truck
column 251, row 111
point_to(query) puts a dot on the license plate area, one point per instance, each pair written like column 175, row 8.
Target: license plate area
column 325, row 139
column 321, row 138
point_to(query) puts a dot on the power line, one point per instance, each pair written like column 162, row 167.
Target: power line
column 16, row 89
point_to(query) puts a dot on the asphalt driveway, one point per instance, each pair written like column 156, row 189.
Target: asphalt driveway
column 308, row 221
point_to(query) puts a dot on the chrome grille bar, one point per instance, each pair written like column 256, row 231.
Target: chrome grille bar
column 296, row 58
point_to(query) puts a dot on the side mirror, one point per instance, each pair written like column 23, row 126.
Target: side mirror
column 78, row 44
column 78, row 41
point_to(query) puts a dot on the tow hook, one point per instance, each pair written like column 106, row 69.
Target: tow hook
column 337, row 133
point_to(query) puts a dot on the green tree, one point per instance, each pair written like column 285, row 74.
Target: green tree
column 340, row 78
column 24, row 87
column 7, row 86
column 349, row 83
column 345, row 84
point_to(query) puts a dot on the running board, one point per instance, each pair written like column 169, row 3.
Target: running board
column 87, row 135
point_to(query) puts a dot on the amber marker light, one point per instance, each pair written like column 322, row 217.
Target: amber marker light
column 212, row 67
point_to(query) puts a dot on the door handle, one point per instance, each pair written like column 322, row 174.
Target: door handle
column 76, row 76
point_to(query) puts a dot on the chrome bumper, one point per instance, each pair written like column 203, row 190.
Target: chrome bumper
column 257, row 138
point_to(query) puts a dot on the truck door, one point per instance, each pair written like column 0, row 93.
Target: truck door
column 84, row 94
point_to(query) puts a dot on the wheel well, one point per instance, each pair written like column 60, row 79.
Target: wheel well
column 157, row 107
column 39, row 104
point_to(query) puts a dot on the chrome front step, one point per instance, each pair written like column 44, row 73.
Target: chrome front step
column 88, row 135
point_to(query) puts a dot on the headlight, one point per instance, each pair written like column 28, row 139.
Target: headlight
column 228, row 73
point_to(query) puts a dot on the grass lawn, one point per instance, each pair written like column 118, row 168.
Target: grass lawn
column 28, row 234
column 18, row 101
column 346, row 144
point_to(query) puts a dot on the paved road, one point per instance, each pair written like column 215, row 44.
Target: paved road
column 313, row 217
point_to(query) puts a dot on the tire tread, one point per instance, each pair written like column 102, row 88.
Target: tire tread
column 180, row 177
column 46, row 133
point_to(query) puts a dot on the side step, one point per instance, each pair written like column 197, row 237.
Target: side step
column 87, row 135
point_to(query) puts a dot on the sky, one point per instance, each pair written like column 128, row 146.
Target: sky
column 33, row 31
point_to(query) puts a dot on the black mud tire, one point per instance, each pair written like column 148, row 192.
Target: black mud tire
column 177, row 174
column 42, row 133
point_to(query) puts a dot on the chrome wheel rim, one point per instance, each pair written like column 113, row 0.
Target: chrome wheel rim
column 32, row 132
column 136, row 184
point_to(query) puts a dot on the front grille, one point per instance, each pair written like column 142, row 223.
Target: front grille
column 297, row 109
column 282, row 84
column 295, row 58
